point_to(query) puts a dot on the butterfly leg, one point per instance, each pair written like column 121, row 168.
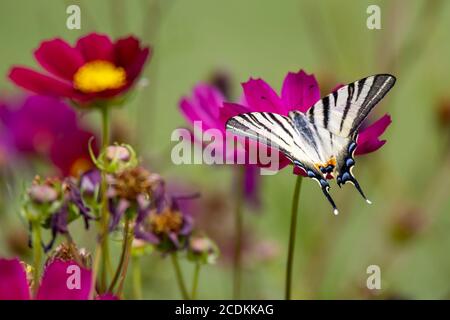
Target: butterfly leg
column 345, row 172
column 325, row 186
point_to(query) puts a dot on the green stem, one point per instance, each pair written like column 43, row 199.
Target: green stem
column 126, row 247
column 123, row 275
column 237, row 259
column 195, row 281
column 37, row 254
column 137, row 278
column 104, row 265
column 290, row 257
column 179, row 276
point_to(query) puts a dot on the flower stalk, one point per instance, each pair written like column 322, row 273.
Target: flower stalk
column 237, row 259
column 137, row 278
column 179, row 276
column 124, row 257
column 195, row 281
column 37, row 254
column 292, row 234
column 104, row 216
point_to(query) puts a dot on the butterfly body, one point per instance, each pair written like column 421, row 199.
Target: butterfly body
column 322, row 141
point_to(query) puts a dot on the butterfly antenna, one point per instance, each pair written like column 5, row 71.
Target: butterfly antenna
column 325, row 189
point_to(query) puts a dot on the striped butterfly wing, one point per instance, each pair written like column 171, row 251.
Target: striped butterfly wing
column 273, row 130
column 343, row 111
column 337, row 117
column 296, row 141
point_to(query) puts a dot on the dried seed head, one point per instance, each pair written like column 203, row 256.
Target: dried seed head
column 70, row 252
column 165, row 222
column 131, row 183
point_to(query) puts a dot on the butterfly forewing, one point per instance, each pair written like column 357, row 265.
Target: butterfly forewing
column 343, row 111
column 274, row 130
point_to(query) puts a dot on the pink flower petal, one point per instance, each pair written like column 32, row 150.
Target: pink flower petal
column 65, row 281
column 299, row 171
column 368, row 138
column 41, row 84
column 96, row 46
column 261, row 97
column 203, row 106
column 59, row 58
column 13, row 281
column 369, row 146
column 300, row 91
column 230, row 110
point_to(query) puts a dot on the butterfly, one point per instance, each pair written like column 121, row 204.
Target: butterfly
column 321, row 141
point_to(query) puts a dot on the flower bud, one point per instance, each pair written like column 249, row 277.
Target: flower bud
column 116, row 158
column 202, row 249
column 43, row 192
column 117, row 153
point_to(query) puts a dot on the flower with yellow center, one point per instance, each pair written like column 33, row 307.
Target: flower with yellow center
column 99, row 75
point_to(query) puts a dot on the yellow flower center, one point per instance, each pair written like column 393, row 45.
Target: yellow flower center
column 99, row 75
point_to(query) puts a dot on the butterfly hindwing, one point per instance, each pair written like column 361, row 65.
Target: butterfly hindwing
column 293, row 136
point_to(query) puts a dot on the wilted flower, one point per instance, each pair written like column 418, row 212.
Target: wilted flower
column 54, row 203
column 95, row 69
column 44, row 127
column 299, row 92
column 162, row 223
column 131, row 189
column 14, row 284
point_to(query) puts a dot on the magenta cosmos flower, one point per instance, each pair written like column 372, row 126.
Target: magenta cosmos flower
column 299, row 92
column 46, row 128
column 94, row 69
column 205, row 105
column 54, row 284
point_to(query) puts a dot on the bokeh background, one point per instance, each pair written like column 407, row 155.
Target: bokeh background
column 405, row 231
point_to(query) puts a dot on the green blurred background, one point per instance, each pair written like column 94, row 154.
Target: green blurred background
column 405, row 231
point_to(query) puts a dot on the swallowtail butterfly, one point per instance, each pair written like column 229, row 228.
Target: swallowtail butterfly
column 321, row 141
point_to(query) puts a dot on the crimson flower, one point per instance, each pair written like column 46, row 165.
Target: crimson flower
column 299, row 92
column 94, row 69
column 53, row 285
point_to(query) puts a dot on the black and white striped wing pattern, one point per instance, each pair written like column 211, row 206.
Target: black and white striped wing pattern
column 295, row 140
column 275, row 131
column 322, row 140
column 343, row 111
column 341, row 114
